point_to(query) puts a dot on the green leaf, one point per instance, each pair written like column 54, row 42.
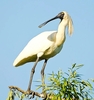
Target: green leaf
column 73, row 66
column 10, row 95
column 22, row 97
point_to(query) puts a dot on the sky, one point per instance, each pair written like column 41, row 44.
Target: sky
column 19, row 21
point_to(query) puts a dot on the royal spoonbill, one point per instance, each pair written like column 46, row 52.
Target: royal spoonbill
column 45, row 45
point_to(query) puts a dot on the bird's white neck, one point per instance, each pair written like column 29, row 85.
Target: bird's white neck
column 60, row 36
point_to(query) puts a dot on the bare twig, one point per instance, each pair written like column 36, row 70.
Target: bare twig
column 29, row 93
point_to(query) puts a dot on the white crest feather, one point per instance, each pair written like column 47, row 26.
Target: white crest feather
column 70, row 25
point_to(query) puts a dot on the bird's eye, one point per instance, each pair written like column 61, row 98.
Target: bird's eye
column 61, row 15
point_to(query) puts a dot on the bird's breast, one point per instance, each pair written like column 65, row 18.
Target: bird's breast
column 52, row 51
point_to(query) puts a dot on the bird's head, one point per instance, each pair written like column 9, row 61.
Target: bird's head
column 65, row 18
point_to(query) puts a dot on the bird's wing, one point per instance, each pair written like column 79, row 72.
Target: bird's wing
column 40, row 43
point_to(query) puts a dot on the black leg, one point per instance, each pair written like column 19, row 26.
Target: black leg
column 42, row 73
column 31, row 75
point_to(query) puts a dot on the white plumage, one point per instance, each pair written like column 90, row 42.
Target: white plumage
column 34, row 47
column 46, row 44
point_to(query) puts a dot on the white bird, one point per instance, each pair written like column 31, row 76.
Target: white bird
column 45, row 45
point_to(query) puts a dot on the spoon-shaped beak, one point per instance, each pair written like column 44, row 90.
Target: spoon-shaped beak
column 48, row 21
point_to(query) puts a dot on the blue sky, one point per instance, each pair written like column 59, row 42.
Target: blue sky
column 19, row 20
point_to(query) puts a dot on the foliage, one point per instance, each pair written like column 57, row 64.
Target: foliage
column 69, row 86
column 14, row 94
column 63, row 86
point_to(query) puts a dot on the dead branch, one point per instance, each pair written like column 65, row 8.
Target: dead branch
column 29, row 93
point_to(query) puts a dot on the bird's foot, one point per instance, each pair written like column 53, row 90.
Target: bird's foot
column 44, row 95
column 33, row 95
column 30, row 93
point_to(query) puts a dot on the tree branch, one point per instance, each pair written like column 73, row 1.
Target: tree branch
column 29, row 93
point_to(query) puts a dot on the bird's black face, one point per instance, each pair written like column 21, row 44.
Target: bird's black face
column 60, row 16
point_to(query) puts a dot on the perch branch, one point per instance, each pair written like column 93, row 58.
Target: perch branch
column 29, row 93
